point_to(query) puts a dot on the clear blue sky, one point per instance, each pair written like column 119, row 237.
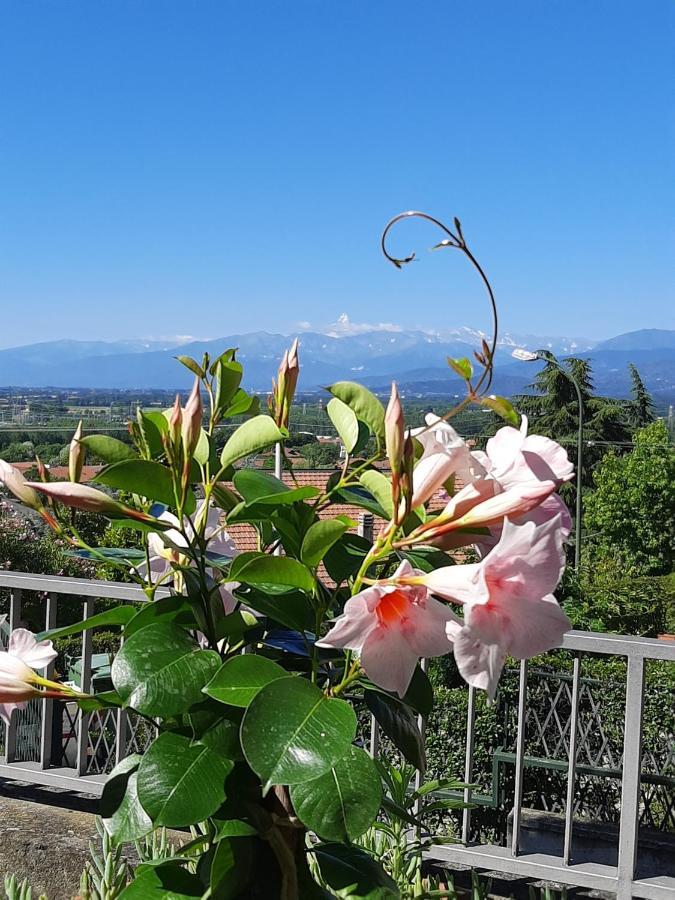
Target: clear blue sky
column 205, row 167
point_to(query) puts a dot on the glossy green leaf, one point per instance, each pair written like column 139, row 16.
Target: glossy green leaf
column 192, row 365
column 239, row 679
column 168, row 881
column 109, row 449
column 254, row 435
column 232, row 828
column 203, row 449
column 120, row 809
column 292, row 732
column 347, row 868
column 228, row 378
column 152, row 426
column 320, row 538
column 175, row 608
column 502, row 407
column 362, row 498
column 180, row 783
column 243, row 404
column 344, row 558
column 343, row 803
column 345, row 421
column 119, row 615
column 462, row 367
column 261, row 568
column 231, row 867
column 380, row 487
column 399, row 723
column 290, row 608
column 365, row 404
column 139, row 476
column 160, row 670
column 262, row 488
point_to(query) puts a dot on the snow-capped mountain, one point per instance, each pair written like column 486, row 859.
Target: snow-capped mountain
column 374, row 354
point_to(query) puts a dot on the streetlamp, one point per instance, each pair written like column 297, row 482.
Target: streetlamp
column 528, row 356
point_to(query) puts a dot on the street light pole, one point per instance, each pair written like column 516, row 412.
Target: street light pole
column 528, row 356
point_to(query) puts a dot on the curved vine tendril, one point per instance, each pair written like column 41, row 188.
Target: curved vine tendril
column 456, row 240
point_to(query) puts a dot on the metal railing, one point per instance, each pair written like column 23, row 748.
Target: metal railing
column 623, row 878
column 57, row 744
column 79, row 755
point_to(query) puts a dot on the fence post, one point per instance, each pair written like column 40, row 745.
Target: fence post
column 14, row 620
column 630, row 778
column 85, row 677
column 520, row 760
column 572, row 761
column 48, row 706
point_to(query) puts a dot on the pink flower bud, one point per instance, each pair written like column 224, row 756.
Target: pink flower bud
column 81, row 496
column 192, row 418
column 76, row 455
column 176, row 421
column 14, row 481
column 394, row 430
column 283, row 389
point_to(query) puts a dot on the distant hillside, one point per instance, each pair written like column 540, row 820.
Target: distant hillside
column 416, row 359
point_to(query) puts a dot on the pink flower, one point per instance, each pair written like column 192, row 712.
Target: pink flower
column 444, row 454
column 168, row 547
column 513, row 457
column 17, row 678
column 508, row 604
column 390, row 627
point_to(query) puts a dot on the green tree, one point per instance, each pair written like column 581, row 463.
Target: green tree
column 630, row 516
column 320, row 456
column 641, row 405
column 554, row 411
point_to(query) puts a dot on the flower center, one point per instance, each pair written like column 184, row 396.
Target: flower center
column 392, row 607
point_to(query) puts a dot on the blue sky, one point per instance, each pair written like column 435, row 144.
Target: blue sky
column 205, row 167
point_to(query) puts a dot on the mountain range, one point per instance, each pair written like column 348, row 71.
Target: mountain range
column 374, row 356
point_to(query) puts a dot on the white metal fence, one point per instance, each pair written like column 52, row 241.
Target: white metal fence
column 77, row 749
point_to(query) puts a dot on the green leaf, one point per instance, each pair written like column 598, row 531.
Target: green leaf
column 261, row 488
column 152, row 426
column 345, row 421
column 160, row 671
column 104, row 700
column 231, row 867
column 239, row 679
column 319, row 539
column 502, row 407
column 291, row 608
column 120, row 809
column 344, row 558
column 254, row 435
column 365, row 404
column 400, row 724
column 380, row 487
column 292, row 732
column 232, row 828
column 362, row 498
column 120, row 615
column 427, row 558
column 168, row 881
column 345, row 867
column 261, row 568
column 203, row 449
column 139, row 476
column 175, row 608
column 109, row 449
column 192, row 365
column 242, row 404
column 180, row 783
column 343, row 803
column 228, row 377
column 462, row 367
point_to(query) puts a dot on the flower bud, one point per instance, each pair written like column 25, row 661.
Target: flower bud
column 283, row 389
column 14, row 481
column 176, row 421
column 192, row 419
column 81, row 496
column 394, row 430
column 76, row 455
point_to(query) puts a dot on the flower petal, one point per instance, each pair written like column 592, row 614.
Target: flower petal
column 388, row 659
column 35, row 654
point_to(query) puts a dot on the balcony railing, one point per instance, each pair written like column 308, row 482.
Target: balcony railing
column 62, row 746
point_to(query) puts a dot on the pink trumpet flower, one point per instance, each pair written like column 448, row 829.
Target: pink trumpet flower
column 509, row 608
column 390, row 627
column 14, row 481
column 444, row 454
column 17, row 678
